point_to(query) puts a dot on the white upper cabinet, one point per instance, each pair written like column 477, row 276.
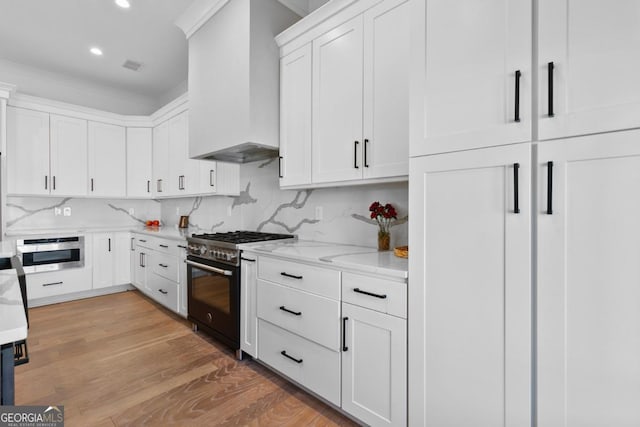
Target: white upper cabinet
column 472, row 82
column 593, row 46
column 588, row 275
column 139, row 174
column 68, row 153
column 27, row 152
column 337, row 103
column 107, row 160
column 160, row 160
column 295, row 117
column 386, row 90
column 183, row 172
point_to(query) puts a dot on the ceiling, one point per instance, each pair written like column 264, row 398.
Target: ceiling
column 55, row 35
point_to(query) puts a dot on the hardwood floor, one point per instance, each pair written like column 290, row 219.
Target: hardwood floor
column 122, row 360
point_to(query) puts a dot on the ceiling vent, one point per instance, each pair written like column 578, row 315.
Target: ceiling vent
column 132, row 65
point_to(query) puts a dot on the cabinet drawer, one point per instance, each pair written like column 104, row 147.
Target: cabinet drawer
column 380, row 295
column 145, row 241
column 315, row 367
column 308, row 278
column 172, row 247
column 314, row 317
column 42, row 285
column 165, row 265
column 163, row 291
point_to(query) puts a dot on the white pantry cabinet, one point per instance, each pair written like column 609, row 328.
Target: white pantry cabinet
column 470, row 302
column 107, row 154
column 27, row 152
column 111, row 259
column 471, row 85
column 68, row 156
column 139, row 163
column 295, row 117
column 588, row 273
column 588, row 51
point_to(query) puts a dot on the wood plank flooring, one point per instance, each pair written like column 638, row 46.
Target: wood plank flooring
column 122, row 360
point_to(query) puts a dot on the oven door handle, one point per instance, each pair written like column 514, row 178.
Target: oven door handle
column 209, row 268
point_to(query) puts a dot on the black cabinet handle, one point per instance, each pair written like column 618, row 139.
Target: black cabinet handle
column 109, row 244
column 284, row 353
column 550, row 68
column 344, row 334
column 296, row 313
column 290, row 275
column 163, row 265
column 280, row 167
column 516, row 204
column 133, row 239
column 142, row 260
column 366, row 161
column 247, row 259
column 517, row 104
column 52, row 284
column 148, row 186
column 163, row 292
column 355, row 154
column 91, row 184
column 358, row 290
column 143, row 241
column 54, row 182
column 182, row 246
column 211, row 183
column 46, row 182
column 164, row 246
column 549, row 188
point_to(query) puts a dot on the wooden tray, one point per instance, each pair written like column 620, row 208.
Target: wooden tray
column 401, row 251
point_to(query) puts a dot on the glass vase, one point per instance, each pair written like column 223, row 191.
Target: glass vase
column 384, row 238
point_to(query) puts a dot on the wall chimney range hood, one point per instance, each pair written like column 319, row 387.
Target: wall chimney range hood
column 234, row 77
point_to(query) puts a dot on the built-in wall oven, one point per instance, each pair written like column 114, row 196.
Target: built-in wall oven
column 50, row 254
column 213, row 282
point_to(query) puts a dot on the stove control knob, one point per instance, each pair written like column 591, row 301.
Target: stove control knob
column 202, row 250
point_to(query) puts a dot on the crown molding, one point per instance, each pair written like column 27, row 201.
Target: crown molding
column 198, row 14
column 6, row 90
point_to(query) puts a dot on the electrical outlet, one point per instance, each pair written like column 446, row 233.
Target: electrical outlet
column 67, row 211
column 319, row 213
column 57, row 211
column 132, row 211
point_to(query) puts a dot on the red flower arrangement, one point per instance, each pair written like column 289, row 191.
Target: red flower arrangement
column 383, row 214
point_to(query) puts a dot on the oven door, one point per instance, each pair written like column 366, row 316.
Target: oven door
column 213, row 291
column 49, row 260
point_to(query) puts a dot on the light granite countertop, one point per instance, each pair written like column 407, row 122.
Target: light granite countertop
column 7, row 249
column 173, row 233
column 13, row 323
column 350, row 257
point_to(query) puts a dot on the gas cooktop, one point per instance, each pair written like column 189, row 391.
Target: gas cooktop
column 239, row 237
column 223, row 247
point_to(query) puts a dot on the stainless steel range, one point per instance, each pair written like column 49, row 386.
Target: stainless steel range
column 213, row 282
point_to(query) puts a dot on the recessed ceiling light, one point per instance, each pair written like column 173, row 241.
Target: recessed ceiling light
column 96, row 51
column 123, row 4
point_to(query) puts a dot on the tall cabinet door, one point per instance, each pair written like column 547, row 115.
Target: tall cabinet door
column 588, row 281
column 374, row 367
column 386, row 90
column 139, row 177
column 68, row 156
column 103, row 260
column 248, row 304
column 466, row 56
column 184, row 173
column 295, row 117
column 122, row 258
column 107, row 160
column 27, row 152
column 160, row 159
column 593, row 45
column 470, row 288
column 337, row 103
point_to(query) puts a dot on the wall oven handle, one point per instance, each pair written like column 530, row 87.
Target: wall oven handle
column 209, row 268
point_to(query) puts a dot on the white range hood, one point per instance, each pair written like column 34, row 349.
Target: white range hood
column 234, row 77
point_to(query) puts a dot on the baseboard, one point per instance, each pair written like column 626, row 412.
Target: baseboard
column 79, row 295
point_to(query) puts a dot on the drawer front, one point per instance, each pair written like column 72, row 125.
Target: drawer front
column 308, row 278
column 376, row 294
column 145, row 241
column 164, row 292
column 42, row 285
column 172, row 247
column 314, row 317
column 315, row 367
column 165, row 265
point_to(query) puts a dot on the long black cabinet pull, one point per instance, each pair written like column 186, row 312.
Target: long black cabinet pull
column 549, row 188
column 182, row 246
column 516, row 204
column 163, row 292
column 358, row 290
column 355, row 154
column 284, row 353
column 92, row 184
column 46, row 182
column 247, row 259
column 133, row 239
column 52, row 284
column 163, row 265
column 366, row 161
column 344, row 334
column 109, row 244
column 290, row 275
column 148, row 186
column 164, row 246
column 550, row 68
column 296, row 313
column 280, row 167
column 54, row 182
column 517, row 104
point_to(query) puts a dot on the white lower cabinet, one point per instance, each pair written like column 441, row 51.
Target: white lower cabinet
column 49, row 284
column 374, row 366
column 139, row 260
column 111, row 259
column 352, row 354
